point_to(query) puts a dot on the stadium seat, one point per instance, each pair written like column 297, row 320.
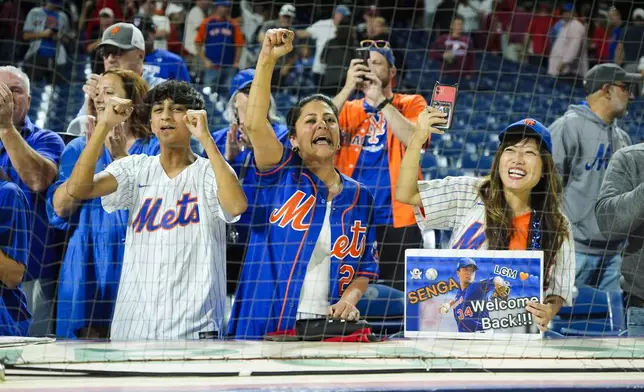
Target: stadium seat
column 428, row 165
column 594, row 313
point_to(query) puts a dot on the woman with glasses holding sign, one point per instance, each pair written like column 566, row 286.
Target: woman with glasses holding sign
column 516, row 208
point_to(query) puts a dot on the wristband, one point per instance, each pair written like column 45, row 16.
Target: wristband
column 384, row 103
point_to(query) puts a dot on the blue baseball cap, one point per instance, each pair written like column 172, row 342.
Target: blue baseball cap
column 568, row 7
column 241, row 80
column 466, row 262
column 343, row 9
column 387, row 52
column 529, row 126
column 223, row 3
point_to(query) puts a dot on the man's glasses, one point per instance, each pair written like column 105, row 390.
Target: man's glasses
column 380, row 44
column 627, row 88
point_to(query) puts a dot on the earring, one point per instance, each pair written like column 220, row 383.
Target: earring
column 296, row 149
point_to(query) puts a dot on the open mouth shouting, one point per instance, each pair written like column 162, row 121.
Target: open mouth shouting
column 322, row 140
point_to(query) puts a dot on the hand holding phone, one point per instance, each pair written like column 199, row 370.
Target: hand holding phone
column 444, row 99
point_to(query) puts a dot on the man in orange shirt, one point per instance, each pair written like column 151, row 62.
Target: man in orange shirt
column 375, row 131
column 219, row 44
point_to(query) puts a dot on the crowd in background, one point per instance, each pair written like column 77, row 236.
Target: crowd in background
column 215, row 45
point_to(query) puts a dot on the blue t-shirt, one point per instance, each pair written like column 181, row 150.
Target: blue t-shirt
column 372, row 168
column 45, row 242
column 615, row 37
column 15, row 318
column 166, row 65
column 47, row 47
column 468, row 319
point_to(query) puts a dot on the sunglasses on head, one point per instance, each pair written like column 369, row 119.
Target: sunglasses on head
column 369, row 43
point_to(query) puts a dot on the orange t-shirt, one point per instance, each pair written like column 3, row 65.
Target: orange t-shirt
column 521, row 225
column 355, row 126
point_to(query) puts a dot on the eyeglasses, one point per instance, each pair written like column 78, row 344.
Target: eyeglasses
column 108, row 50
column 627, row 88
column 380, row 44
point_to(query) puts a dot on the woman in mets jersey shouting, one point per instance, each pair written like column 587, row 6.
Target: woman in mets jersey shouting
column 312, row 249
column 516, row 208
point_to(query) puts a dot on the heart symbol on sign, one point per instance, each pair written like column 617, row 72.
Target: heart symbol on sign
column 524, row 275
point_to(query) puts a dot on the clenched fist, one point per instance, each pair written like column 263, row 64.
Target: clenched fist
column 117, row 111
column 277, row 43
column 197, row 122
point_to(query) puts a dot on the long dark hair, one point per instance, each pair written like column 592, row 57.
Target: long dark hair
column 544, row 201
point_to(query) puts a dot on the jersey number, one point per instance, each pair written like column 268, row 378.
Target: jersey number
column 461, row 316
column 346, row 272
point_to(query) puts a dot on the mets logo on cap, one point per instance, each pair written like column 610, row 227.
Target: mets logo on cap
column 529, row 122
column 115, row 30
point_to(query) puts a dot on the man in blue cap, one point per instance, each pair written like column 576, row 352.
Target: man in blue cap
column 377, row 128
column 238, row 151
column 467, row 318
column 322, row 32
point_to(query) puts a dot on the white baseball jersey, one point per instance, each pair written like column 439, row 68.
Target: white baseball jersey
column 453, row 203
column 173, row 281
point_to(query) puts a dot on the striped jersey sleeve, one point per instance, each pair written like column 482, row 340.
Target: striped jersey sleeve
column 562, row 275
column 125, row 171
column 446, row 201
column 211, row 190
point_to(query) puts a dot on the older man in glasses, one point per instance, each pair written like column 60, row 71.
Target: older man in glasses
column 376, row 129
column 583, row 141
column 122, row 47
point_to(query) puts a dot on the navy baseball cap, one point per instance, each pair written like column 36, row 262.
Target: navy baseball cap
column 241, row 80
column 529, row 126
column 387, row 52
column 466, row 262
column 223, row 3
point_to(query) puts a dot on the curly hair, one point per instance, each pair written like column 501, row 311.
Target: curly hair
column 179, row 92
column 135, row 90
column 544, row 200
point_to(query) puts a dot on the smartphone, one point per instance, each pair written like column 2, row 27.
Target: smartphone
column 444, row 99
column 362, row 54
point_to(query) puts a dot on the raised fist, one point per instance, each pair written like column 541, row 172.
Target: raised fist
column 197, row 123
column 117, row 111
column 277, row 43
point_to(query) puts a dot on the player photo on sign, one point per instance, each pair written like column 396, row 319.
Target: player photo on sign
column 471, row 294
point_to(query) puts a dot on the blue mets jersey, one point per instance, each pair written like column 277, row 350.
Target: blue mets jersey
column 467, row 318
column 287, row 222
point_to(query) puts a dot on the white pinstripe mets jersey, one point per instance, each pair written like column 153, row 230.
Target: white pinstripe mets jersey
column 173, row 281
